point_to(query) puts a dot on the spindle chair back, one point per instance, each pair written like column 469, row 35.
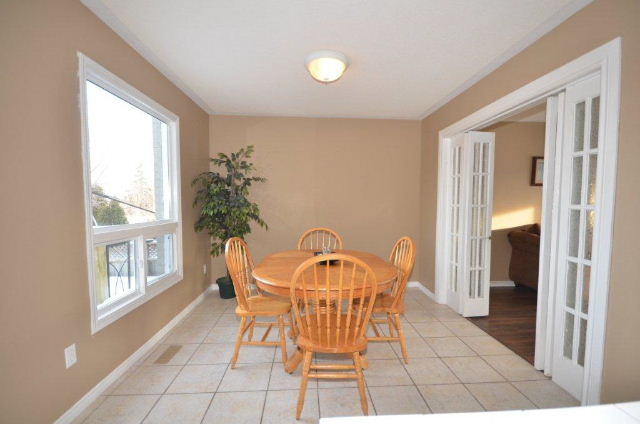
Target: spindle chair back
column 349, row 286
column 403, row 256
column 317, row 238
column 252, row 303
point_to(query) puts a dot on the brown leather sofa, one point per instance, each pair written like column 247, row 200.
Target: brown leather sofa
column 525, row 255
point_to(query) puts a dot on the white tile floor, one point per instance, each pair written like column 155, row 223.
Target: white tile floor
column 454, row 367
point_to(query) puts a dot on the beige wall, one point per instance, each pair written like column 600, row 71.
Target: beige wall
column 358, row 176
column 598, row 23
column 515, row 201
column 44, row 299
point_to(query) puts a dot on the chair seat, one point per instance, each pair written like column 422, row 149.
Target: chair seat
column 342, row 342
column 384, row 303
column 265, row 305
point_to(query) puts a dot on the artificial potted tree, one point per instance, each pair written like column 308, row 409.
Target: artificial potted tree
column 225, row 210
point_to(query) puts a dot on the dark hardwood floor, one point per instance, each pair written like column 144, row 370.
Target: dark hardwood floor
column 512, row 319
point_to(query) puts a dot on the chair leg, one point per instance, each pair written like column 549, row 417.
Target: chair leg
column 390, row 325
column 252, row 324
column 283, row 339
column 364, row 361
column 361, row 389
column 303, row 384
column 403, row 342
column 236, row 351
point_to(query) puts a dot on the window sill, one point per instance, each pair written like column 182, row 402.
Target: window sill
column 130, row 302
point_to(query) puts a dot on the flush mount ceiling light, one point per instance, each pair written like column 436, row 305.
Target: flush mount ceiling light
column 326, row 66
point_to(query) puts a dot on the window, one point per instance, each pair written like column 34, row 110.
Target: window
column 130, row 155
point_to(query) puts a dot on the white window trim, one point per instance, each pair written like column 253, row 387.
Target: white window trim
column 92, row 71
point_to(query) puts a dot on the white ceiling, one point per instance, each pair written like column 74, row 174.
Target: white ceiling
column 407, row 57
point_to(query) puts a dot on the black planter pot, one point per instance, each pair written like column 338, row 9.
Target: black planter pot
column 226, row 288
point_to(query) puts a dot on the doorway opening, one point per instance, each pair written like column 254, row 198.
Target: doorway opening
column 516, row 230
column 582, row 109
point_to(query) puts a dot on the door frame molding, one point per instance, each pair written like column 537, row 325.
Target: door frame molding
column 605, row 60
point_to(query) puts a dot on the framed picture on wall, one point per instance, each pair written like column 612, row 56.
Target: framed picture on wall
column 537, row 170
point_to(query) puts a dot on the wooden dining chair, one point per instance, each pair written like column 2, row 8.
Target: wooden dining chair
column 251, row 303
column 403, row 256
column 338, row 280
column 317, row 238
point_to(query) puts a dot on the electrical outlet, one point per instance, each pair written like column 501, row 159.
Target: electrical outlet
column 70, row 357
column 204, row 269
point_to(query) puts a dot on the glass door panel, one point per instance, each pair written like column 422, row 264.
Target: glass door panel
column 470, row 183
column 577, row 211
column 479, row 148
column 454, row 234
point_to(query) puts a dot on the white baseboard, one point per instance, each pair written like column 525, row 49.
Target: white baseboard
column 119, row 371
column 507, row 283
column 422, row 288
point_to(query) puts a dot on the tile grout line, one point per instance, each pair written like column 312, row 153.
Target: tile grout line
column 495, row 338
column 523, row 394
column 214, row 395
column 266, row 392
column 438, row 356
column 140, row 364
column 94, row 410
column 161, row 395
column 469, row 346
column 366, row 385
column 461, row 382
column 465, row 386
column 172, row 380
column 476, row 355
column 494, row 368
column 506, row 378
column 325, row 388
column 208, row 407
column 151, row 409
column 474, row 396
column 399, row 357
column 450, row 370
column 396, row 356
column 373, row 404
column 220, row 382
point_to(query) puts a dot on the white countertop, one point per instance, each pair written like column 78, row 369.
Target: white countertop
column 619, row 413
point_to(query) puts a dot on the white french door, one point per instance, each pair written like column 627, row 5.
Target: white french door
column 469, row 222
column 454, row 233
column 581, row 147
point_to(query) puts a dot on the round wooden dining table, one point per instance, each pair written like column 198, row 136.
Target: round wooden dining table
column 274, row 274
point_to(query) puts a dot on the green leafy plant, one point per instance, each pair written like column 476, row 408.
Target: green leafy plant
column 106, row 211
column 225, row 210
